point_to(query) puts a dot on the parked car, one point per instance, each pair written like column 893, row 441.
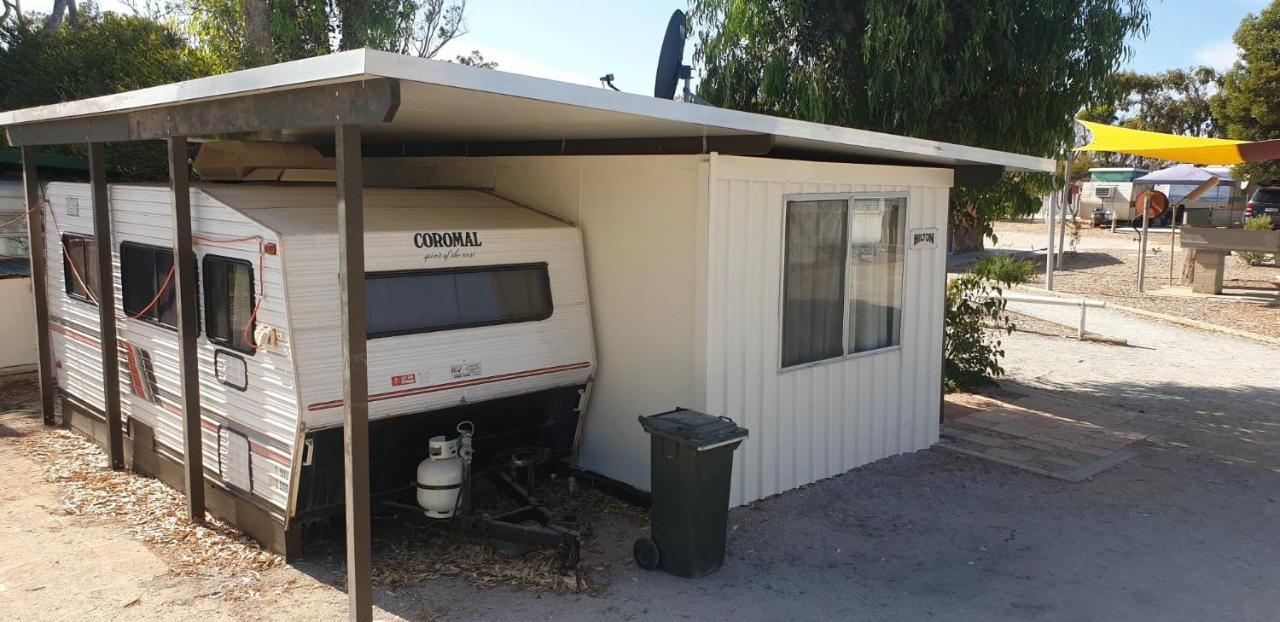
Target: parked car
column 1265, row 202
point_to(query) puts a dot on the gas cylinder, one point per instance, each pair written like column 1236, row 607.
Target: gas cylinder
column 440, row 478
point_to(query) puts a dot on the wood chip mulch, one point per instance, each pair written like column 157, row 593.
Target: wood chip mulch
column 1112, row 276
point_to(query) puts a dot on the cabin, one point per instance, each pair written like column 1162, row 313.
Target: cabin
column 548, row 261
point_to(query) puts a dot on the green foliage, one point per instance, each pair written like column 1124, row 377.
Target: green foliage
column 1248, row 106
column 296, row 29
column 974, row 301
column 1001, row 74
column 107, row 53
column 1257, row 223
column 1004, row 269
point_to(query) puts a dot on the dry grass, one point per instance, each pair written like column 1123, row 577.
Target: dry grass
column 150, row 511
column 405, row 554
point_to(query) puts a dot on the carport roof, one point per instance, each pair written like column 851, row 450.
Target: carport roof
column 439, row 108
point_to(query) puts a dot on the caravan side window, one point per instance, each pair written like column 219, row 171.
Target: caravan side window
column 80, row 267
column 146, row 283
column 842, row 276
column 421, row 301
column 228, row 302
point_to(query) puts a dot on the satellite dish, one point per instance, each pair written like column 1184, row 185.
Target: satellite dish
column 671, row 67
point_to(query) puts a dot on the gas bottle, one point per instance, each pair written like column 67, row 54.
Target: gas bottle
column 440, row 478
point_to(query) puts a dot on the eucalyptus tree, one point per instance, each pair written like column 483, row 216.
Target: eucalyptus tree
column 246, row 33
column 1001, row 74
column 1247, row 106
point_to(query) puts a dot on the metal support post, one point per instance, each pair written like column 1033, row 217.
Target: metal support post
column 355, row 379
column 106, row 305
column 184, row 262
column 39, row 281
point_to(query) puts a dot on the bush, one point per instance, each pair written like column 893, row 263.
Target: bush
column 1004, row 269
column 972, row 353
column 1257, row 223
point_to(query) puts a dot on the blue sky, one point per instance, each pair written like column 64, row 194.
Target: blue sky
column 580, row 40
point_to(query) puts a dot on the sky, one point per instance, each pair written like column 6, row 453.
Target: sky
column 581, row 40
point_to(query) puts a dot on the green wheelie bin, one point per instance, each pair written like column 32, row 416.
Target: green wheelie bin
column 691, row 463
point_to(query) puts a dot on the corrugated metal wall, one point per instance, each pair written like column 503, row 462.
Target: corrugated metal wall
column 814, row 422
column 266, row 411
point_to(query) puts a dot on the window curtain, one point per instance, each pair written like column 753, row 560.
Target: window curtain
column 813, row 283
column 875, row 295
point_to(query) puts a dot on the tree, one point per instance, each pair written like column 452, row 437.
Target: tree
column 248, row 33
column 109, row 53
column 1001, row 74
column 1248, row 106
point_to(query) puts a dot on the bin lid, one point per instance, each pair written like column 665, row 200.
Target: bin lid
column 694, row 429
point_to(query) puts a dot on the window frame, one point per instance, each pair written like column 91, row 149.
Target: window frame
column 848, row 198
column 208, row 306
column 67, row 278
column 465, row 270
column 173, row 286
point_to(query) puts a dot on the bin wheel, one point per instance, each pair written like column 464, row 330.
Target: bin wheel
column 646, row 553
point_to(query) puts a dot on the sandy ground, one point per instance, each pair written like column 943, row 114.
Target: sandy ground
column 1184, row 531
column 1105, row 267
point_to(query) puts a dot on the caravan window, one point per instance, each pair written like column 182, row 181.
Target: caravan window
column 401, row 303
column 146, row 283
column 228, row 302
column 80, row 267
column 842, row 276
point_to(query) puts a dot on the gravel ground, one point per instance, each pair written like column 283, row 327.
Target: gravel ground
column 1103, row 271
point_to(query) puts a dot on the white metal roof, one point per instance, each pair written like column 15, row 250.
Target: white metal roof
column 448, row 102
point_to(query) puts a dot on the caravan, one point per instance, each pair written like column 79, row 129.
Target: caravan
column 477, row 308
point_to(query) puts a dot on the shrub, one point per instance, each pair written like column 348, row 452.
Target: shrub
column 1257, row 223
column 1004, row 269
column 972, row 353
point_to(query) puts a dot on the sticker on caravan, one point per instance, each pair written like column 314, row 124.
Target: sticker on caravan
column 403, row 379
column 465, row 370
column 444, row 246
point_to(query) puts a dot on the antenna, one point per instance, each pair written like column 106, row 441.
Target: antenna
column 671, row 67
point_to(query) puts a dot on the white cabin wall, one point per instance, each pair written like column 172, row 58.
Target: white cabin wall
column 810, row 423
column 639, row 222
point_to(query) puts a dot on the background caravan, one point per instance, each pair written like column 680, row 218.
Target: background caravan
column 477, row 309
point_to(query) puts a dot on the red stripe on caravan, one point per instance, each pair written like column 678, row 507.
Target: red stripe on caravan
column 75, row 335
column 377, row 397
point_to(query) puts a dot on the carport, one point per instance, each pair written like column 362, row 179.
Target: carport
column 366, row 103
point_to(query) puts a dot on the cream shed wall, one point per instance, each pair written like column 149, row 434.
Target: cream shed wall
column 684, row 257
column 820, row 420
column 643, row 228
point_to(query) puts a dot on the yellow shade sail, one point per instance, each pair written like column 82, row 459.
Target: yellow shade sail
column 1188, row 149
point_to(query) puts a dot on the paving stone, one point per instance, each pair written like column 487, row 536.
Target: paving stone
column 1017, row 429
column 1007, row 454
column 979, row 438
column 1034, row 444
column 1062, row 461
column 1091, row 450
column 1051, row 441
column 976, row 422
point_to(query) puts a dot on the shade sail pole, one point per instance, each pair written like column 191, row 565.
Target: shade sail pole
column 184, row 262
column 355, row 377
column 39, row 281
column 1049, row 254
column 106, row 305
